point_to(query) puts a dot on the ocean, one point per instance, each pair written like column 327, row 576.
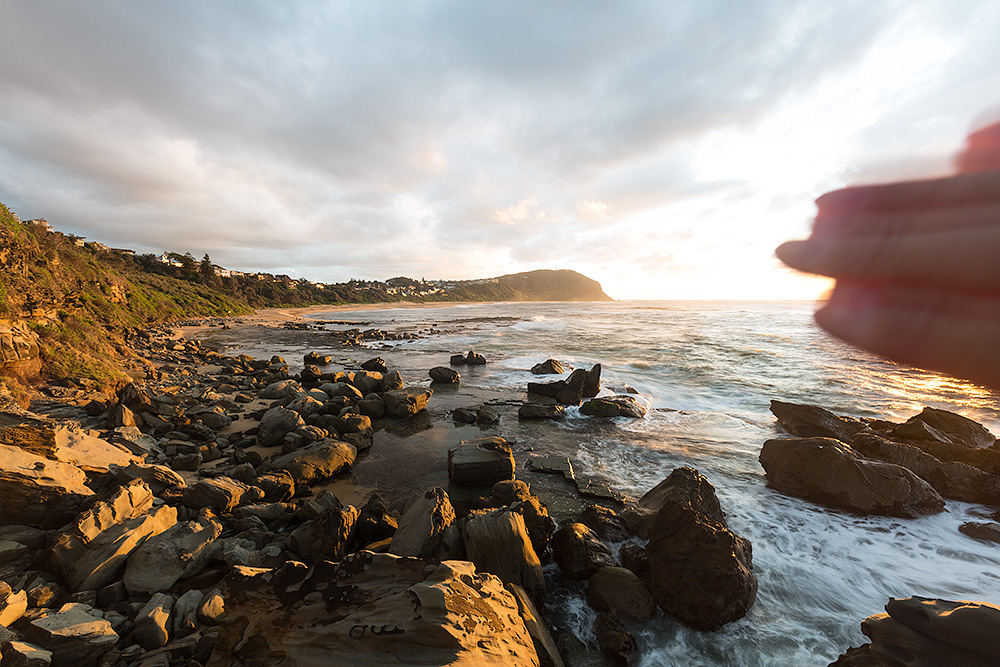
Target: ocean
column 708, row 371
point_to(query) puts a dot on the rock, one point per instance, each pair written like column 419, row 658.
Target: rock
column 578, row 551
column 486, row 415
column 548, row 367
column 464, row 416
column 545, row 646
column 616, row 406
column 605, row 523
column 377, row 365
column 278, row 486
column 989, row 532
column 12, row 605
column 305, row 406
column 317, row 359
column 282, row 390
column 326, row 537
column 444, row 375
column 828, row 472
column 615, row 640
column 556, row 465
column 634, row 558
column 157, row 477
column 71, row 445
column 498, row 543
column 373, row 407
column 859, row 656
column 700, row 571
column 592, row 383
column 367, row 382
column 119, row 415
column 457, row 360
column 620, row 592
column 222, row 494
column 572, row 392
column 391, row 381
column 181, row 551
column 214, row 417
column 541, row 411
column 949, row 478
column 213, row 608
column 371, row 610
column 77, row 635
column 23, row 654
column 961, row 430
column 317, row 461
column 276, row 424
column 343, row 389
column 937, row 633
column 811, row 421
column 480, row 462
column 474, row 359
column 152, row 623
column 427, row 529
column 405, row 403
column 374, row 523
column 185, row 614
column 36, row 491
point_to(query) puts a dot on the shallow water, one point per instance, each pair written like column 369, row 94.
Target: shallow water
column 709, row 371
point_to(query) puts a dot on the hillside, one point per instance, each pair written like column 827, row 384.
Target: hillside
column 67, row 308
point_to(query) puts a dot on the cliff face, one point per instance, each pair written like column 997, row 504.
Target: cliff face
column 542, row 285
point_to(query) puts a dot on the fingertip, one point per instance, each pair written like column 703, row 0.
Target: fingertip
column 794, row 254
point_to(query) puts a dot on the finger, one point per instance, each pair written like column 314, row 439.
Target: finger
column 950, row 332
column 963, row 259
column 900, row 222
column 963, row 189
column 982, row 151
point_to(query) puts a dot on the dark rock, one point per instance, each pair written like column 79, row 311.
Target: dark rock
column 989, row 532
column 391, row 381
column 77, row 635
column 545, row 645
column 498, row 543
column 810, row 421
column 592, row 384
column 276, row 424
column 548, row 367
column 541, row 411
column 700, row 571
column 634, row 558
column 457, row 360
column 604, row 522
column 326, row 537
column 549, row 389
column 615, row 406
column 317, row 461
column 464, row 416
column 859, row 656
column 621, row 593
column 572, row 392
column 961, row 430
column 94, row 408
column 578, row 551
column 377, row 365
column 486, row 415
column 480, row 462
column 278, row 486
column 405, row 403
column 427, row 529
column 474, row 359
column 374, row 523
column 829, row 472
column 615, row 640
column 221, row 494
column 444, row 375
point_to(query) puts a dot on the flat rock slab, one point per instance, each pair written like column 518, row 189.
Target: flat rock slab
column 480, row 462
column 553, row 465
column 77, row 635
column 317, row 461
column 36, row 491
column 180, row 551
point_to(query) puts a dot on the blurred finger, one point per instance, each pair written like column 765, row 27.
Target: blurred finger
column 951, row 332
column 961, row 190
column 897, row 223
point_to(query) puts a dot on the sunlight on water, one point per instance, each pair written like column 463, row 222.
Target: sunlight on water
column 709, row 372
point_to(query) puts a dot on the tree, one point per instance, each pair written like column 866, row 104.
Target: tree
column 205, row 270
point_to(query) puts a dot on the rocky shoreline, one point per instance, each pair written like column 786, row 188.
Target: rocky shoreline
column 228, row 510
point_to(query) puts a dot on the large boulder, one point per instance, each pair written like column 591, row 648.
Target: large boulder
column 935, row 633
column 276, row 424
column 700, row 571
column 444, row 375
column 592, row 383
column 498, row 543
column 613, row 406
column 949, row 478
column 960, row 430
column 221, row 494
column 480, row 462
column 829, row 472
column 181, row 551
column 548, row 367
column 77, row 635
column 427, row 528
column 404, row 403
column 371, row 610
column 37, row 491
column 541, row 411
column 621, row 593
column 327, row 536
column 578, row 551
column 317, row 461
column 811, row 421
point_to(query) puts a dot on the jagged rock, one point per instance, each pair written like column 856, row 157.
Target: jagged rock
column 374, row 523
column 12, row 605
column 317, row 461
column 214, row 417
column 960, row 430
column 222, row 494
column 377, row 365
column 182, row 550
column 36, row 491
column 119, row 415
column 317, row 359
column 620, row 592
column 700, row 571
column 578, row 551
column 152, row 623
column 592, row 383
column 157, row 477
column 278, row 486
column 185, row 614
column 572, row 392
column 212, row 609
column 829, row 472
column 615, row 640
column 615, row 406
column 545, row 646
column 938, row 633
column 276, row 424
column 326, row 537
column 474, row 359
column 604, row 522
column 548, row 367
column 811, row 421
column 23, row 654
column 541, row 411
column 634, row 558
column 981, row 531
column 480, row 462
column 367, row 382
column 517, row 497
column 858, row 656
column 427, row 528
column 444, row 375
column 498, row 543
column 371, row 610
column 77, row 635
column 556, row 465
column 305, row 406
column 405, row 403
column 949, row 478
column 391, row 381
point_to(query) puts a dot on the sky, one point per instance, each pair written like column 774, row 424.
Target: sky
column 661, row 148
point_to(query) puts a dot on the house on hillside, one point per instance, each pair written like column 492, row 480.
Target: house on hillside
column 170, row 258
column 40, row 223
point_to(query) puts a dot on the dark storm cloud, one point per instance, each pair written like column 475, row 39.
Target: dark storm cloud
column 334, row 140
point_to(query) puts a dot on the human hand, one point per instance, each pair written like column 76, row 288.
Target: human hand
column 917, row 266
